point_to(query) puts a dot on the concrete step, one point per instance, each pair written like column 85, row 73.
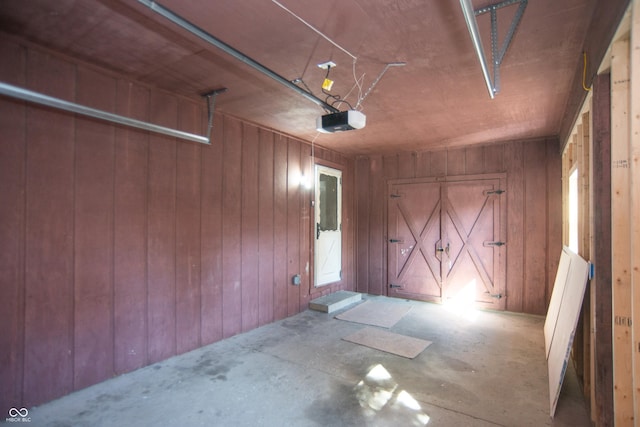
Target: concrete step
column 335, row 301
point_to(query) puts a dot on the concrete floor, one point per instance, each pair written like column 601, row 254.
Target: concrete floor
column 483, row 369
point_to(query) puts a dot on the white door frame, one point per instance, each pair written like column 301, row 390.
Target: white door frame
column 327, row 226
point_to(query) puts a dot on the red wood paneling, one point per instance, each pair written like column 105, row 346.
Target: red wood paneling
column 390, row 167
column 363, row 195
column 456, row 162
column 280, row 227
column 211, row 235
column 250, row 213
column 12, row 226
column 535, row 228
column 130, row 232
column 293, row 225
column 121, row 248
column 161, row 243
column 554, row 210
column 438, row 165
column 48, row 359
column 406, row 165
column 423, row 164
column 188, row 247
column 514, row 160
column 232, row 228
column 93, row 263
column 348, row 228
column 307, row 170
column 377, row 206
column 265, row 228
column 474, row 160
column 494, row 158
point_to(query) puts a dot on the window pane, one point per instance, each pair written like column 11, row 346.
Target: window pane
column 328, row 202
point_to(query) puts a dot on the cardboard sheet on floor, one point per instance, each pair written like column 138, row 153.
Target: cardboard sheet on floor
column 556, row 298
column 566, row 323
column 389, row 342
column 383, row 314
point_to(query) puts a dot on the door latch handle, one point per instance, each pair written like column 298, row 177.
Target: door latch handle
column 445, row 249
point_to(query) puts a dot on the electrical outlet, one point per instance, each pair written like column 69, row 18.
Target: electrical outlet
column 326, row 65
column 296, row 280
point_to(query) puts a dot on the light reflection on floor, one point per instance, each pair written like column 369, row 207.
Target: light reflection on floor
column 378, row 391
column 463, row 304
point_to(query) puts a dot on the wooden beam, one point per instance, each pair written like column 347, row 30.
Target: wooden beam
column 579, row 340
column 634, row 214
column 620, row 230
column 592, row 250
column 601, row 255
column 584, row 243
column 565, row 198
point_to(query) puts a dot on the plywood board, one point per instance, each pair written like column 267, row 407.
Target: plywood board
column 376, row 313
column 565, row 329
column 389, row 342
column 556, row 298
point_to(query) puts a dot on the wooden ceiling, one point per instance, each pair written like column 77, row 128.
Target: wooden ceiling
column 438, row 99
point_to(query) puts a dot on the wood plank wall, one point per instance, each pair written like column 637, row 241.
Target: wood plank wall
column 534, row 218
column 121, row 248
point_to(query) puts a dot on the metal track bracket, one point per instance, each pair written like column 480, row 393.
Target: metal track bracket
column 497, row 52
column 211, row 102
column 498, row 55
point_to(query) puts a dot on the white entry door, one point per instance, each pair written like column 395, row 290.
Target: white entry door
column 328, row 225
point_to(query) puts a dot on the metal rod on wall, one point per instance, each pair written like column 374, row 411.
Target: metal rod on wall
column 199, row 32
column 472, row 25
column 38, row 98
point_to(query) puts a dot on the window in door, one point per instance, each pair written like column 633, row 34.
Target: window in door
column 328, row 226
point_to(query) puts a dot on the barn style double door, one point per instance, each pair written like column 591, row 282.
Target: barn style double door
column 446, row 241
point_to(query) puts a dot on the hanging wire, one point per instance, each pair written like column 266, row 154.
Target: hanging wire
column 357, row 84
column 314, row 29
column 357, row 81
column 337, row 99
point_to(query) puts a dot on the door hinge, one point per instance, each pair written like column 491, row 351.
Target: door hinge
column 496, row 192
column 393, row 286
column 494, row 244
